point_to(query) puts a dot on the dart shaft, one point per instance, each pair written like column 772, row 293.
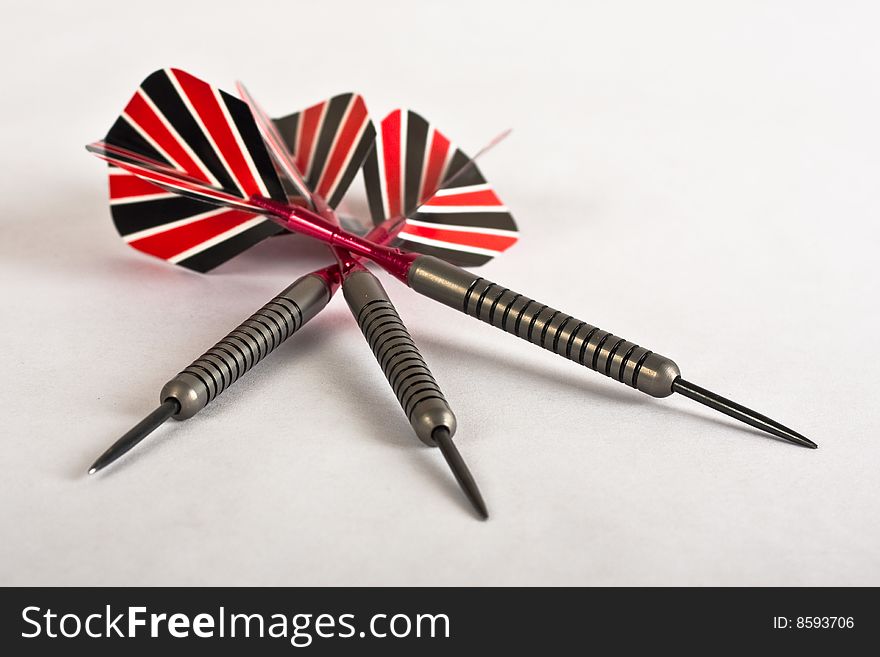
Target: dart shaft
column 413, row 384
column 305, row 222
column 544, row 326
column 254, row 339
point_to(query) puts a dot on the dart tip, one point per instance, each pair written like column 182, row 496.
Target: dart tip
column 136, row 434
column 780, row 431
column 806, row 442
column 460, row 470
column 106, row 459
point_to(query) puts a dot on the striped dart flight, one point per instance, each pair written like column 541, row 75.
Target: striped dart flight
column 195, row 130
column 451, row 211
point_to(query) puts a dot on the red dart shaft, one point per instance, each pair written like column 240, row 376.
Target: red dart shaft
column 346, row 262
column 303, row 221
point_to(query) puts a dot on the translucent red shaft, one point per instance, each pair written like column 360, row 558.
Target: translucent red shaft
column 305, row 222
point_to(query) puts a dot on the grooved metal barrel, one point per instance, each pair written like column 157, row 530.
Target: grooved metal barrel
column 400, row 360
column 544, row 326
column 253, row 340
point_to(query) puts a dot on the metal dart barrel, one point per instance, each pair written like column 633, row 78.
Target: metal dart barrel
column 573, row 339
column 254, row 339
column 414, row 386
column 231, row 358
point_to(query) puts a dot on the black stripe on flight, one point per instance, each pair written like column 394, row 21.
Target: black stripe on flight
column 373, row 186
column 287, row 127
column 253, row 142
column 500, row 220
column 122, row 134
column 460, row 258
column 461, row 172
column 416, row 144
column 135, row 217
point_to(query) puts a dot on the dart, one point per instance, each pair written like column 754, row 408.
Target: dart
column 404, row 367
column 231, row 358
column 472, row 201
column 465, row 224
column 170, row 234
column 441, row 280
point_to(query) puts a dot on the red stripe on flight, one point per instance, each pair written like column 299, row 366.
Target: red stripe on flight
column 484, row 197
column 177, row 240
column 436, row 163
column 201, row 95
column 462, row 237
column 391, row 154
column 345, row 143
column 126, row 186
column 309, row 120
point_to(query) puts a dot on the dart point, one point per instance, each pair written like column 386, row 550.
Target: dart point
column 136, row 434
column 460, row 470
column 740, row 412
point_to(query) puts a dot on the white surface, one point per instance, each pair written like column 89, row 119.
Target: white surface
column 699, row 177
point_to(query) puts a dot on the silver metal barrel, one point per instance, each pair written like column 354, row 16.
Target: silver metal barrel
column 400, row 360
column 544, row 326
column 253, row 340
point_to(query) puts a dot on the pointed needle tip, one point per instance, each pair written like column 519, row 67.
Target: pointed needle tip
column 791, row 436
column 809, row 444
column 740, row 412
column 136, row 434
column 460, row 471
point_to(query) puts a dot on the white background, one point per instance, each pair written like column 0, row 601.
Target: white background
column 701, row 178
